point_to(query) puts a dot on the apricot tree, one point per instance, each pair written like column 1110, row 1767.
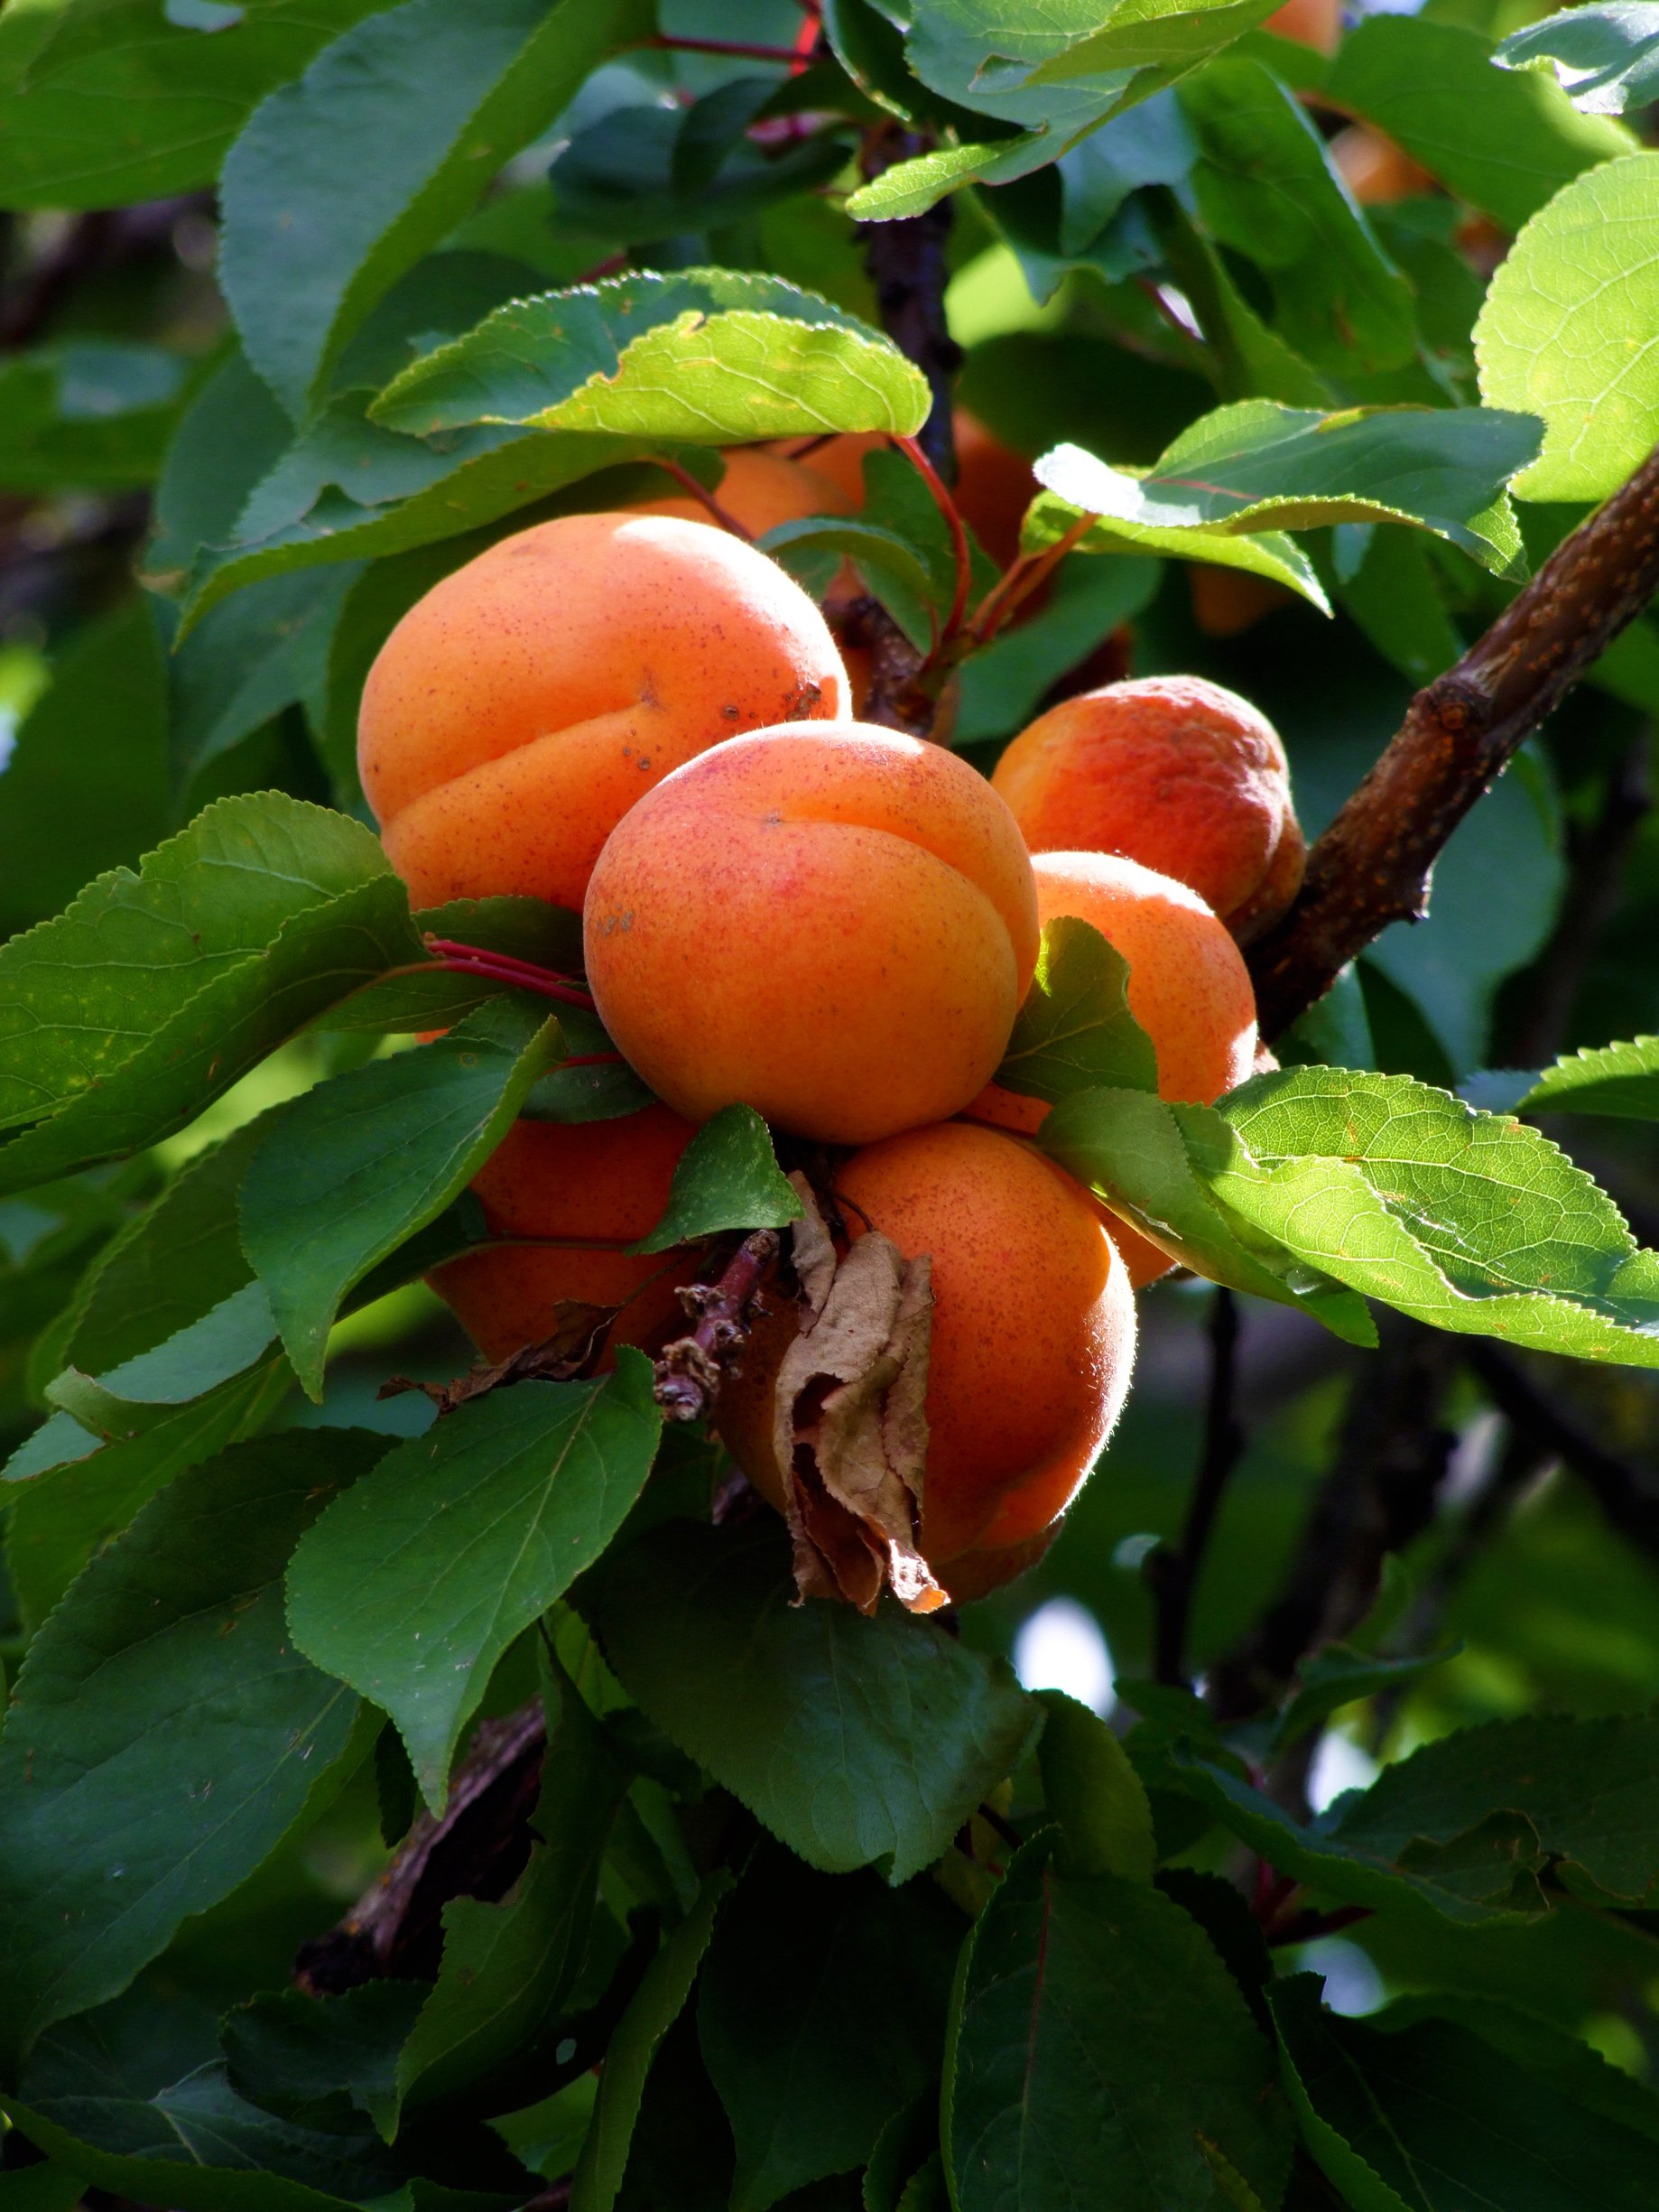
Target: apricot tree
column 827, row 1293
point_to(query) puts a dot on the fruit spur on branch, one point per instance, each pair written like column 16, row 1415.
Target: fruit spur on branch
column 642, row 718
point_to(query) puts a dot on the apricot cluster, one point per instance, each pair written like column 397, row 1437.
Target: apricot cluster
column 640, row 715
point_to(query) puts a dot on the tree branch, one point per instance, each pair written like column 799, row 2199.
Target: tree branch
column 1373, row 864
column 691, row 1369
column 906, row 263
column 1174, row 1574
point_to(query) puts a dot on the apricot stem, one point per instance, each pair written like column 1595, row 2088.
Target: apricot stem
column 690, row 1372
column 745, row 50
column 947, row 507
column 699, row 492
column 1022, row 577
column 502, row 968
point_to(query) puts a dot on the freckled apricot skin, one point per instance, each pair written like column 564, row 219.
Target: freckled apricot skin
column 586, row 1179
column 1032, row 1341
column 760, row 489
column 1189, row 988
column 517, row 711
column 1173, row 771
column 834, row 924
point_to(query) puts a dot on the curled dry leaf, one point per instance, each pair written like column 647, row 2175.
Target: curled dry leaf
column 849, row 1427
column 578, row 1332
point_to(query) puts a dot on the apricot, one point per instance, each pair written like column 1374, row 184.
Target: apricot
column 833, row 924
column 760, row 489
column 1032, row 1341
column 839, row 458
column 1373, row 168
column 604, row 1181
column 1189, row 988
column 1173, row 771
column 1226, row 602
column 518, row 710
column 1310, row 23
column 994, row 487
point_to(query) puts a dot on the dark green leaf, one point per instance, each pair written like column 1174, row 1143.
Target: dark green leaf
column 1606, row 1079
column 1075, row 1031
column 1338, row 1676
column 655, row 2007
column 164, row 1734
column 813, row 548
column 232, row 433
column 267, row 650
column 815, row 2042
column 1504, row 141
column 93, row 416
column 727, row 1178
column 417, row 1580
column 712, row 357
column 227, row 1341
column 443, row 92
column 349, row 1171
column 1094, row 1794
column 1097, row 2033
column 857, row 1741
column 1606, row 58
column 315, row 2059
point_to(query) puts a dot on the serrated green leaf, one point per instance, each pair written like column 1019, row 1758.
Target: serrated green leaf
column 312, row 2058
column 1502, row 140
column 806, row 2067
column 443, row 90
column 1556, row 333
column 348, row 1172
column 164, row 1734
column 1096, row 2032
column 181, row 95
column 1539, row 2046
column 911, row 188
column 1606, row 60
column 1257, row 466
column 1146, row 1160
column 1620, row 1079
column 1091, row 1790
column 814, row 547
column 712, row 357
column 1075, row 1031
column 225, row 1342
column 1338, row 1676
column 1266, row 188
column 656, row 2004
column 1471, row 1222
column 415, row 1582
column 727, row 1178
column 857, row 1741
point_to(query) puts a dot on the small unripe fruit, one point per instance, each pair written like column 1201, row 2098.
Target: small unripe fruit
column 1032, row 1341
column 518, row 710
column 834, row 925
column 1175, row 772
column 604, row 1181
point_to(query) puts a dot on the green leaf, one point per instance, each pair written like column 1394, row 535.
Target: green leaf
column 232, row 433
column 712, row 357
column 47, row 2187
column 857, row 1741
column 225, row 1342
column 507, row 1969
column 727, row 1178
column 1606, row 58
column 1090, row 1789
column 1266, row 188
column 1471, row 1221
column 348, row 1171
column 86, row 787
column 1075, row 1031
column 315, row 2059
column 1096, row 2032
column 91, row 415
column 1602, row 1079
column 912, row 187
column 1340, row 1676
column 812, row 549
column 656, row 2004
column 443, row 90
column 416, row 1581
column 1539, row 2046
column 165, row 1685
column 181, row 95
column 1504, row 141
column 266, row 651
column 1258, row 466
column 1149, row 1162
column 815, row 2042
column 1555, row 333
column 1431, row 2118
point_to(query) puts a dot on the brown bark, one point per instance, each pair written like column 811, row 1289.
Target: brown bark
column 1373, row 865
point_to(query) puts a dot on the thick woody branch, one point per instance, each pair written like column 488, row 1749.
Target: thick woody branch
column 1373, row 864
column 691, row 1371
column 907, row 264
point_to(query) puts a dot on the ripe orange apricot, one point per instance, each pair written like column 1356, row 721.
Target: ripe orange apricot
column 994, row 486
column 1226, row 602
column 760, row 489
column 1373, row 168
column 587, row 1180
column 834, row 924
column 517, row 711
column 1175, row 771
column 1311, row 22
column 1189, row 988
column 1032, row 1341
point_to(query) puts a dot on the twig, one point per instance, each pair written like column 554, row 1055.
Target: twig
column 741, row 50
column 1627, row 1493
column 906, row 263
column 1372, row 865
column 1174, row 1574
column 691, row 1369
column 704, row 497
column 503, row 967
column 913, row 452
column 1022, row 577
